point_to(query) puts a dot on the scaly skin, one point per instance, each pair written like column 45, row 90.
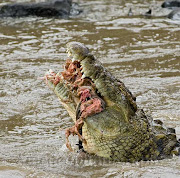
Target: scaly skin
column 121, row 132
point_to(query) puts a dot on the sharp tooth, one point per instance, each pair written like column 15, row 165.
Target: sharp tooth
column 69, row 54
column 83, row 76
column 82, row 71
column 73, row 59
column 50, row 70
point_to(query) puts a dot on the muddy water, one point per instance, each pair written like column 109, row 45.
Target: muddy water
column 142, row 52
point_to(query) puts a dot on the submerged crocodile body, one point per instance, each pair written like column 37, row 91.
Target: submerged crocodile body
column 107, row 119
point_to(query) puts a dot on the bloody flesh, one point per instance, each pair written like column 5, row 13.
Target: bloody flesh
column 90, row 102
column 85, row 89
column 72, row 71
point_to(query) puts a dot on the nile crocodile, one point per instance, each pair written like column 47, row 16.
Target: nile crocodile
column 107, row 119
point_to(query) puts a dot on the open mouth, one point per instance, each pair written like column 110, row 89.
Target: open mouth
column 77, row 93
column 107, row 120
column 83, row 88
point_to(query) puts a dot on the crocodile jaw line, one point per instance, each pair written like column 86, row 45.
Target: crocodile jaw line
column 73, row 59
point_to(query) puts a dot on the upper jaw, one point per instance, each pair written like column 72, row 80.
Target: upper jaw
column 70, row 55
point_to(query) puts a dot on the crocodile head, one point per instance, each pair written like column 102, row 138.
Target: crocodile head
column 111, row 124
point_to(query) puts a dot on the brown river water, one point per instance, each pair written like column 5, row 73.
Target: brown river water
column 142, row 52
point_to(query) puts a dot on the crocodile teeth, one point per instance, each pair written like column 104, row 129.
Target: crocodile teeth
column 50, row 71
column 69, row 54
column 83, row 76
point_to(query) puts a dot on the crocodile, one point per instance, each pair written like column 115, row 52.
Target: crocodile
column 106, row 117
